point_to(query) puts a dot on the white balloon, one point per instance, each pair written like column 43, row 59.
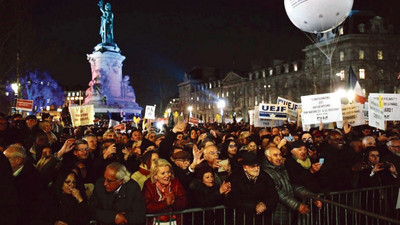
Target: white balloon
column 317, row 16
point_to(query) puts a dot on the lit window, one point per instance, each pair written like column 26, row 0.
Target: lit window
column 209, row 106
column 362, row 73
column 341, row 32
column 271, row 72
column 77, row 93
column 286, row 69
column 341, row 56
column 197, row 98
column 223, row 94
column 69, row 93
column 380, row 54
column 227, row 94
column 255, row 100
column 295, row 67
column 218, row 95
column 262, row 99
column 210, row 85
column 263, row 72
column 361, row 54
column 342, row 75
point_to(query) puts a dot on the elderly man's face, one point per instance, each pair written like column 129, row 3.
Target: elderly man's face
column 370, row 141
column 300, row 153
column 211, row 153
column 15, row 161
column 92, row 143
column 395, row 147
column 253, row 170
column 275, row 156
column 110, row 180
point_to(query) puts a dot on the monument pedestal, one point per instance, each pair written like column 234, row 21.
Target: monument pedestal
column 108, row 90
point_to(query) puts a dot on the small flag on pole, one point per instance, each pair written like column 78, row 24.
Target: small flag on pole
column 354, row 85
column 115, row 119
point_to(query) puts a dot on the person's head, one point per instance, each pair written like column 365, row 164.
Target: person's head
column 299, row 150
column 81, row 150
column 250, row 164
column 151, row 136
column 41, row 139
column 368, row 141
column 274, row 156
column 110, row 135
column 372, row 154
column 31, row 121
column 125, row 138
column 265, row 141
column 149, row 158
column 181, row 159
column 231, row 148
column 69, row 183
column 275, row 139
column 179, row 136
column 136, row 147
column 107, row 6
column 115, row 175
column 335, row 139
column 136, row 135
column 211, row 153
column 263, row 132
column 206, row 175
column 394, row 146
column 161, row 171
column 243, row 137
column 45, row 126
column 118, row 137
column 193, row 134
column 252, row 145
column 366, row 130
column 92, row 141
column 16, row 155
column 3, row 123
column 306, row 137
column 275, row 131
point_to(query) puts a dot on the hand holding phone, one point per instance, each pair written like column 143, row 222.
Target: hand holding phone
column 321, row 161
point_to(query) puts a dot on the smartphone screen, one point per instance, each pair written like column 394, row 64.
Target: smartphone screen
column 321, row 160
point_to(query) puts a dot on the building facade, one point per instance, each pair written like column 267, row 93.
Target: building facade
column 363, row 42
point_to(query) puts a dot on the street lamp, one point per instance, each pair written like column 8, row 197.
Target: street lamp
column 190, row 108
column 221, row 105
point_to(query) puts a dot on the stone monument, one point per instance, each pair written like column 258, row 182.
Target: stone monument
column 108, row 90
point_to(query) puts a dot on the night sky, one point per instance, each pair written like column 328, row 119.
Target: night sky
column 160, row 39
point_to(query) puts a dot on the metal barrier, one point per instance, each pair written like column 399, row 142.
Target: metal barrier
column 368, row 206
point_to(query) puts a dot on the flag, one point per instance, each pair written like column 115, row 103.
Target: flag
column 115, row 119
column 354, row 85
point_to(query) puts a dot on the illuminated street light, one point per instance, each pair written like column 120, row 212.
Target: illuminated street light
column 190, row 108
column 14, row 86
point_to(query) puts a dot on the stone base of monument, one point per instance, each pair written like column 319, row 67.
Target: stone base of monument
column 108, row 90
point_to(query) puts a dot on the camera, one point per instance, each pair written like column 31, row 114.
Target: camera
column 310, row 145
column 385, row 166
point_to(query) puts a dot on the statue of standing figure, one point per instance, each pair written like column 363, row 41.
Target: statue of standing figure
column 106, row 27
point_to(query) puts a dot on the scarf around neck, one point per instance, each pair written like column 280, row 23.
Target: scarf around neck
column 306, row 164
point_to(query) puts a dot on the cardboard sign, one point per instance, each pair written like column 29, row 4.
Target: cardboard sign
column 272, row 111
column 376, row 113
column 353, row 113
column 325, row 108
column 258, row 122
column 193, row 120
column 121, row 127
column 391, row 107
column 150, row 112
column 82, row 115
column 24, row 104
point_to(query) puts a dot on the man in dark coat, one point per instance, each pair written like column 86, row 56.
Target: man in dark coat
column 253, row 192
column 117, row 199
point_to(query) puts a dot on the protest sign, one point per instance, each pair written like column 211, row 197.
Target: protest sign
column 365, row 111
column 258, row 122
column 376, row 113
column 293, row 108
column 391, row 107
column 325, row 108
column 193, row 120
column 272, row 111
column 353, row 113
column 24, row 105
column 82, row 115
column 150, row 112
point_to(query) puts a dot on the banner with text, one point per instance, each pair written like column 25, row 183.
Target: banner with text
column 391, row 106
column 150, row 112
column 293, row 107
column 82, row 115
column 325, row 108
column 375, row 112
column 353, row 113
column 259, row 122
column 24, row 105
column 272, row 111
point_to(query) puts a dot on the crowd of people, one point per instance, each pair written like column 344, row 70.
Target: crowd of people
column 52, row 174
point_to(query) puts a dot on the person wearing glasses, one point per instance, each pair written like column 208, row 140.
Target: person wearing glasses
column 229, row 151
column 65, row 203
column 394, row 155
column 117, row 198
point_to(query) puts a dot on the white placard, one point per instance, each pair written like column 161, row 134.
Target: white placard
column 272, row 111
column 82, row 115
column 258, row 122
column 376, row 114
column 293, row 108
column 325, row 108
column 353, row 113
column 251, row 117
column 150, row 112
column 391, row 107
column 365, row 111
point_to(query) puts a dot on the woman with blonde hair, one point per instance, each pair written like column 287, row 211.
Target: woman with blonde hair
column 163, row 192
